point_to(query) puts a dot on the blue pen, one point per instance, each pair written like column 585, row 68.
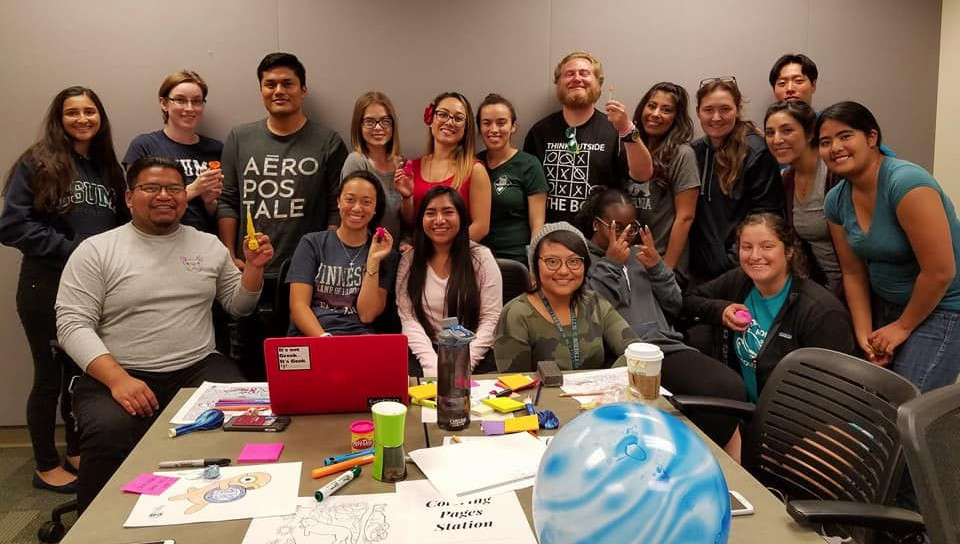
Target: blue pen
column 346, row 456
column 531, row 410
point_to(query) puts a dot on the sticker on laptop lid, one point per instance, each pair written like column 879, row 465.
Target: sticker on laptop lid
column 293, row 357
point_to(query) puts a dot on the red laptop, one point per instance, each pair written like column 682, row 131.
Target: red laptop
column 335, row 373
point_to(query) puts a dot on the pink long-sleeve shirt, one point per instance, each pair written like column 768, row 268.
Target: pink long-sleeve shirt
column 434, row 296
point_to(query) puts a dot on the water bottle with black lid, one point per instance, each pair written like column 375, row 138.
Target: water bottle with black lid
column 453, row 375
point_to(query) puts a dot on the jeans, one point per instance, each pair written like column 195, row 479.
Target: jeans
column 52, row 369
column 928, row 358
column 108, row 433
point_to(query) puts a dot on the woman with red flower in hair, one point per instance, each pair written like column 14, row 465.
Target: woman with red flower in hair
column 450, row 161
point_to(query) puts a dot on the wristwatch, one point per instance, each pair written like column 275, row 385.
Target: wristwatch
column 632, row 137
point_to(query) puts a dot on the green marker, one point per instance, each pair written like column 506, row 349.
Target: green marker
column 336, row 484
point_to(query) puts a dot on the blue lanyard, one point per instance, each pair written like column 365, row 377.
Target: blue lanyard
column 573, row 344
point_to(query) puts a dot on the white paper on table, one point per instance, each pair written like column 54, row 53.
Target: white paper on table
column 485, row 519
column 610, row 382
column 207, row 395
column 448, row 440
column 240, row 492
column 380, row 518
column 497, row 464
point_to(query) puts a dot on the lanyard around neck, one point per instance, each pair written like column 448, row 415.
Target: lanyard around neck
column 573, row 344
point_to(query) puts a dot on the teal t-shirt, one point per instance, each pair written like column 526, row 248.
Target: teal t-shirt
column 891, row 262
column 512, row 182
column 749, row 342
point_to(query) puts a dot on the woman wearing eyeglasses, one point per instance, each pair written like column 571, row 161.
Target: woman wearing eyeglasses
column 66, row 187
column 738, row 176
column 449, row 161
column 627, row 271
column 446, row 275
column 519, row 186
column 667, row 202
column 376, row 149
column 183, row 98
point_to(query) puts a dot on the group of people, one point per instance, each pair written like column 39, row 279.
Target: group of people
column 727, row 251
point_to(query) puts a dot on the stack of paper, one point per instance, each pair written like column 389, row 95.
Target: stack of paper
column 498, row 464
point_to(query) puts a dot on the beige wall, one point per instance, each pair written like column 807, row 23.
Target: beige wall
column 881, row 52
column 946, row 162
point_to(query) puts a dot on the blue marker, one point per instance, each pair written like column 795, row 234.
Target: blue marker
column 346, row 456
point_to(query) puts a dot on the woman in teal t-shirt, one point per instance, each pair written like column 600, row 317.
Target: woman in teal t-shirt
column 767, row 307
column 898, row 239
column 519, row 187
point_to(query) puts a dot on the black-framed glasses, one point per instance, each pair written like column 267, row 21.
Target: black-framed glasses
column 553, row 263
column 181, row 101
column 571, row 135
column 155, row 188
column 370, row 122
column 722, row 79
column 634, row 227
column 443, row 116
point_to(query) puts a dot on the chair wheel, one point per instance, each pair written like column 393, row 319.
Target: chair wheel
column 51, row 531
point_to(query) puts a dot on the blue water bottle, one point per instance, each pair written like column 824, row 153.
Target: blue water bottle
column 453, row 375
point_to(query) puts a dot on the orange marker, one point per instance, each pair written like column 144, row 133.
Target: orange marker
column 252, row 242
column 320, row 472
column 213, row 165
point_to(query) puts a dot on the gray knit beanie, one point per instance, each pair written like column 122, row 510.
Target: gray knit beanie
column 545, row 230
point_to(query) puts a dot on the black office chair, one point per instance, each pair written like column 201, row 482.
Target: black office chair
column 53, row 530
column 824, row 428
column 930, row 430
column 516, row 278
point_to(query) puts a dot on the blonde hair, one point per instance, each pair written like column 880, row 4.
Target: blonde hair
column 176, row 78
column 466, row 150
column 356, row 136
column 597, row 65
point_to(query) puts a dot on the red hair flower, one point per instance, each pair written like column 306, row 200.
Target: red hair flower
column 428, row 113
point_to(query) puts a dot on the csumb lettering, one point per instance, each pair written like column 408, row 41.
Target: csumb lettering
column 557, row 146
column 89, row 193
column 269, row 186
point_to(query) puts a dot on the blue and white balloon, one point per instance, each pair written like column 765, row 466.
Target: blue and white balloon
column 627, row 473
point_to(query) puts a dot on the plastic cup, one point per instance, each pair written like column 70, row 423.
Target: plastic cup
column 644, row 363
column 389, row 464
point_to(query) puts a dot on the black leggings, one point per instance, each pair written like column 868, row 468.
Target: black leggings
column 689, row 372
column 52, row 369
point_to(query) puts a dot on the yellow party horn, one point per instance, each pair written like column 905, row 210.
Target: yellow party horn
column 252, row 242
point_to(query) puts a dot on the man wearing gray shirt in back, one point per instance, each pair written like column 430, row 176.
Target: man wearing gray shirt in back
column 284, row 171
column 134, row 312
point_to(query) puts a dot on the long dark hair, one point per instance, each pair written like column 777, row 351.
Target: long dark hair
column 51, row 157
column 785, row 233
column 463, row 291
column 381, row 204
column 465, row 153
column 681, row 130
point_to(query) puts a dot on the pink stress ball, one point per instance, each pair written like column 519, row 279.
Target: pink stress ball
column 408, row 169
column 743, row 316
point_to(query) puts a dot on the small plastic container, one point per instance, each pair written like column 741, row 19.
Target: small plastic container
column 361, row 435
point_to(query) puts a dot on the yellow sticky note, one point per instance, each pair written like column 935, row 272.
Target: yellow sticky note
column 252, row 242
column 421, row 392
column 523, row 423
column 504, row 404
column 516, row 381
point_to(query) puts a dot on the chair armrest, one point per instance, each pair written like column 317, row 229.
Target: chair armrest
column 692, row 403
column 870, row 516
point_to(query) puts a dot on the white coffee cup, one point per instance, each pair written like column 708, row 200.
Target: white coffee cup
column 644, row 363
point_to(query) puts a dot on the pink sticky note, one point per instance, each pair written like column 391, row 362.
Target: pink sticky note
column 260, row 453
column 474, row 383
column 149, row 484
column 493, row 427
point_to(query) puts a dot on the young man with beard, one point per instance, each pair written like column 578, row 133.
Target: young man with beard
column 580, row 146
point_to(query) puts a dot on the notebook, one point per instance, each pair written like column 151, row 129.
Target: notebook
column 335, row 373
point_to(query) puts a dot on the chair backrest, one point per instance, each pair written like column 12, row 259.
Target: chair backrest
column 825, row 428
column 930, row 429
column 516, row 278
